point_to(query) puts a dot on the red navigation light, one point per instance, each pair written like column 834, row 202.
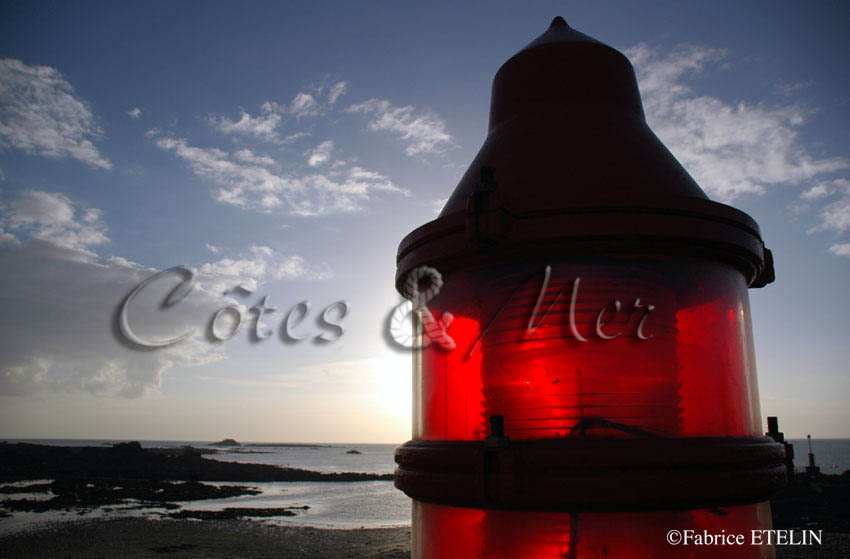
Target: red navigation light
column 612, row 347
column 600, row 386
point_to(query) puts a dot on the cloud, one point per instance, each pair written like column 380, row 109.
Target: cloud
column 134, row 113
column 266, row 123
column 7, row 239
column 295, row 136
column 247, row 156
column 41, row 114
column 438, row 204
column 262, row 126
column 835, row 215
column 236, row 179
column 816, row 192
column 336, row 91
column 320, row 154
column 840, row 249
column 51, row 217
column 212, row 248
column 258, row 264
column 344, row 191
column 423, row 133
column 304, row 105
column 60, row 298
column 56, row 326
column 56, row 329
column 731, row 149
column 256, row 187
column 791, row 88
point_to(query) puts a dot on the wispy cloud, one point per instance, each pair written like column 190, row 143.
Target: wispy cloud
column 135, row 113
column 816, row 192
column 238, row 181
column 266, row 124
column 263, row 125
column 791, row 88
column 51, row 217
column 316, row 100
column 320, row 154
column 326, row 180
column 835, row 215
column 438, row 205
column 248, row 156
column 259, row 188
column 840, row 249
column 258, row 264
column 336, row 91
column 423, row 133
column 304, row 105
column 294, row 137
column 41, row 114
column 731, row 149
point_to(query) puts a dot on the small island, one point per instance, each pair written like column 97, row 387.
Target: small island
column 227, row 442
column 353, row 451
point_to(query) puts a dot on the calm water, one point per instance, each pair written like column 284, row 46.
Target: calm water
column 336, row 505
column 374, row 458
column 831, row 455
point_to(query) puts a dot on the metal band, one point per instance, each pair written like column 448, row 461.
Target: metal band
column 592, row 474
column 697, row 228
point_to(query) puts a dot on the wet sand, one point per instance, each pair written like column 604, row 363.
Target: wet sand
column 139, row 538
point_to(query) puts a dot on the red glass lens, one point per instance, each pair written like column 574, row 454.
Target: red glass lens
column 459, row 533
column 613, row 347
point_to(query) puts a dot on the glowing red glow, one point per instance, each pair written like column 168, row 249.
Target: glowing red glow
column 642, row 347
column 460, row 533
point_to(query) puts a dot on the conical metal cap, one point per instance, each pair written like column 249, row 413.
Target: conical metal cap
column 567, row 129
column 569, row 159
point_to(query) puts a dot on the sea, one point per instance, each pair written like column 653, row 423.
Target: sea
column 364, row 504
column 832, row 456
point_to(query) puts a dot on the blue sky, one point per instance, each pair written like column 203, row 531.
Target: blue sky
column 288, row 147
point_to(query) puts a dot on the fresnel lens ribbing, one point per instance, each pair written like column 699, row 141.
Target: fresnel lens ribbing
column 599, row 391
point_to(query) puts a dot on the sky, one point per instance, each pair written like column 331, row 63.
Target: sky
column 282, row 150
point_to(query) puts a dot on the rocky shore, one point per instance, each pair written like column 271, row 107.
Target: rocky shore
column 814, row 502
column 85, row 478
column 89, row 493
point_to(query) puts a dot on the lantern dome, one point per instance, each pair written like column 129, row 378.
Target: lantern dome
column 569, row 161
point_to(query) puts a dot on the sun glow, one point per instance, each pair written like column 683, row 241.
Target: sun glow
column 393, row 387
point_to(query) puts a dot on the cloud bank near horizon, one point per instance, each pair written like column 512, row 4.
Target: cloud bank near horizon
column 57, row 329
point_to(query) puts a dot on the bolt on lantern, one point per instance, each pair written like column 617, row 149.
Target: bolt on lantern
column 600, row 388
